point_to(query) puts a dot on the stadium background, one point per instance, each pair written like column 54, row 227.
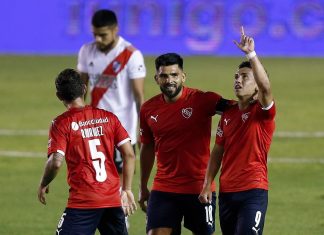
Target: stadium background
column 40, row 38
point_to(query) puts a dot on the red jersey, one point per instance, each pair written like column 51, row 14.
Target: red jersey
column 246, row 137
column 181, row 135
column 87, row 137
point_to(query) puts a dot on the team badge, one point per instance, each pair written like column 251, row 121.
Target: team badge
column 245, row 116
column 187, row 112
column 116, row 66
column 219, row 132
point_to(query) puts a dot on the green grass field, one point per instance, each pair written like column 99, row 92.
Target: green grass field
column 296, row 168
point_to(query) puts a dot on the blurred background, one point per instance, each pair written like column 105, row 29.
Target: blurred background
column 38, row 39
column 281, row 28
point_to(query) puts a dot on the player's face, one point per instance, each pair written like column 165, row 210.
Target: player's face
column 170, row 79
column 244, row 83
column 105, row 37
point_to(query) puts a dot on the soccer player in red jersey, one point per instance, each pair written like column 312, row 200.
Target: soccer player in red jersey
column 175, row 127
column 243, row 140
column 85, row 137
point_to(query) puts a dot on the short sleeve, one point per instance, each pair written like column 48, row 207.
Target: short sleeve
column 146, row 134
column 210, row 101
column 120, row 136
column 57, row 140
column 136, row 67
column 267, row 113
column 82, row 60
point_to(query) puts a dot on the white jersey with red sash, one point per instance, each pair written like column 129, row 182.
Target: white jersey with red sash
column 109, row 76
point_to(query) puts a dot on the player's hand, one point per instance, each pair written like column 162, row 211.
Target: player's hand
column 144, row 195
column 42, row 190
column 246, row 43
column 128, row 202
column 205, row 196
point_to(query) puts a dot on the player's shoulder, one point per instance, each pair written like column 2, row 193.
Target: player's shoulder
column 62, row 119
column 193, row 92
column 98, row 112
column 88, row 47
column 153, row 102
column 126, row 44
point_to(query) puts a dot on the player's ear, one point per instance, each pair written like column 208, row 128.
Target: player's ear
column 156, row 78
column 184, row 77
column 116, row 29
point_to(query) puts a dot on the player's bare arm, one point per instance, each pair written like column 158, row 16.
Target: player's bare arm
column 147, row 158
column 213, row 167
column 53, row 164
column 247, row 45
column 138, row 91
column 128, row 201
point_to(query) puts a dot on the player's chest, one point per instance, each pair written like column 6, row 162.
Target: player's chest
column 111, row 64
column 238, row 122
column 169, row 119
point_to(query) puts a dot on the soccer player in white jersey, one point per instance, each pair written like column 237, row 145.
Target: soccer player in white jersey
column 116, row 72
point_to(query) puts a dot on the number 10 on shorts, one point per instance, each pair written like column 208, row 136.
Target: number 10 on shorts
column 209, row 215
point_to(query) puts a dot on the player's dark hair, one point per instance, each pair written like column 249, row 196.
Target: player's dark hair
column 102, row 18
column 69, row 85
column 168, row 59
column 245, row 64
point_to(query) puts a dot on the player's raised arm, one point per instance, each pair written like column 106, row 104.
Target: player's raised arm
column 247, row 45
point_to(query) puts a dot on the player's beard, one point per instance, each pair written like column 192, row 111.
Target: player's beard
column 105, row 48
column 171, row 93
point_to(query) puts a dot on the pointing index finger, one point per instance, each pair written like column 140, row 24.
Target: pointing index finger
column 242, row 30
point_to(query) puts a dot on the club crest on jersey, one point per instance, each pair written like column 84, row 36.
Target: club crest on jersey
column 74, row 126
column 187, row 112
column 219, row 132
column 116, row 66
column 245, row 116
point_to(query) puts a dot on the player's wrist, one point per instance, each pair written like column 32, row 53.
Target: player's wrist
column 250, row 55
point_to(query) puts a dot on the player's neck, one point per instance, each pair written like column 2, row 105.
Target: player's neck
column 111, row 46
column 75, row 104
column 245, row 103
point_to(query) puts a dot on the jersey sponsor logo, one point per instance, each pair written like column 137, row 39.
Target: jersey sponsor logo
column 92, row 132
column 245, row 116
column 116, row 66
column 219, row 132
column 154, row 118
column 74, row 126
column 187, row 112
column 93, row 121
column 226, row 121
